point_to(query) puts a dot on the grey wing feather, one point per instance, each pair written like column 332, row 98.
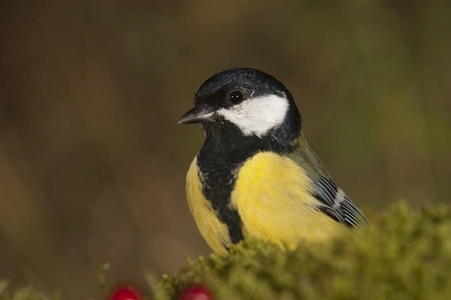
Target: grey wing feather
column 336, row 204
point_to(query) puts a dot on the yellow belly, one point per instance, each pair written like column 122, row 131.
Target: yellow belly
column 273, row 197
column 215, row 233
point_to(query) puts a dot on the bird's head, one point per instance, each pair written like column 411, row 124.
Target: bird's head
column 246, row 104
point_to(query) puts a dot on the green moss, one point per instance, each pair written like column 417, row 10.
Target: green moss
column 27, row 293
column 404, row 254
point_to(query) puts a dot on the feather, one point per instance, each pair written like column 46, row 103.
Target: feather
column 333, row 201
column 336, row 204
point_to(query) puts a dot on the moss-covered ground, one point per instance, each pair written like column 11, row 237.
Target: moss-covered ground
column 26, row 293
column 403, row 254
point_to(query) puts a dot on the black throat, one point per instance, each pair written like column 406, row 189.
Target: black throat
column 225, row 150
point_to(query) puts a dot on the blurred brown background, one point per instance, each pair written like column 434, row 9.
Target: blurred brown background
column 92, row 161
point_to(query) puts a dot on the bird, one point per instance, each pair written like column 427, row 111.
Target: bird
column 255, row 175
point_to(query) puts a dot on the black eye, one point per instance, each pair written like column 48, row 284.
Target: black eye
column 236, row 97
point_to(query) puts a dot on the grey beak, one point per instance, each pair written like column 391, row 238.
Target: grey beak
column 196, row 115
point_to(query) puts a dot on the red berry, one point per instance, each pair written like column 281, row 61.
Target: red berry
column 125, row 292
column 196, row 292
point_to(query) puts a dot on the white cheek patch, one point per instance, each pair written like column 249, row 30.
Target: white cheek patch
column 257, row 116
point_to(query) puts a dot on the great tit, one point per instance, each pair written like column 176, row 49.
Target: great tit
column 255, row 175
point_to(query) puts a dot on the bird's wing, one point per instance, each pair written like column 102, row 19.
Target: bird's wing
column 334, row 201
column 336, row 204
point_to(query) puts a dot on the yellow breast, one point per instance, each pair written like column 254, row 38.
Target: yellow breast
column 215, row 233
column 274, row 198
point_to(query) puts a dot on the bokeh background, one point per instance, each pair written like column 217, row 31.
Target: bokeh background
column 92, row 161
